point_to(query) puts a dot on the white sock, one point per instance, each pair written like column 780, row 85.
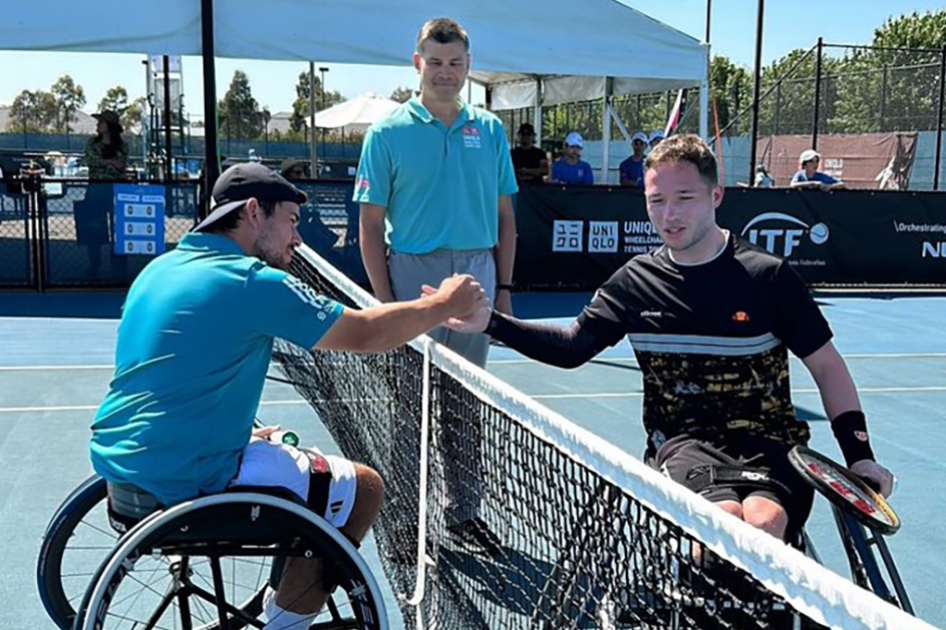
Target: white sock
column 280, row 619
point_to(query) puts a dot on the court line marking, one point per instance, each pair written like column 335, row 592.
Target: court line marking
column 860, row 390
column 52, row 368
column 265, row 403
column 272, row 403
column 920, row 355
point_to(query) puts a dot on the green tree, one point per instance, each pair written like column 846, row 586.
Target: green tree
column 239, row 113
column 33, row 112
column 299, row 121
column 402, row 94
column 266, row 117
column 913, row 31
column 70, row 98
column 134, row 113
column 731, row 87
column 909, row 79
column 116, row 100
column 893, row 85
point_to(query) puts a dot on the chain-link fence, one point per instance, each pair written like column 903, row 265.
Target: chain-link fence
column 71, row 233
column 16, row 266
column 875, row 114
column 65, row 233
column 637, row 112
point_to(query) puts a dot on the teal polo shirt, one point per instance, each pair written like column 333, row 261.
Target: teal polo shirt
column 194, row 344
column 440, row 187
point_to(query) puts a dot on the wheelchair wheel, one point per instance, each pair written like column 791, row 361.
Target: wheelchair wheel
column 206, row 564
column 77, row 540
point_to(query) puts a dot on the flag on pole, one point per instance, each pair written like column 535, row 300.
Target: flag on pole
column 676, row 114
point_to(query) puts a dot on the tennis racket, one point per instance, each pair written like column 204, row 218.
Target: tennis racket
column 845, row 490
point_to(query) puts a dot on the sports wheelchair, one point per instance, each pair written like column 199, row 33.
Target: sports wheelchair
column 204, row 563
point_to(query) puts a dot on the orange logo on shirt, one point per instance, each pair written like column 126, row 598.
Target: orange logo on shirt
column 741, row 317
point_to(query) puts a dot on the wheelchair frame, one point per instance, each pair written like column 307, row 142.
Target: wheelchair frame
column 151, row 532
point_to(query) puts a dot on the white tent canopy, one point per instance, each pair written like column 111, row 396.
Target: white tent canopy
column 526, row 52
column 513, row 42
column 356, row 114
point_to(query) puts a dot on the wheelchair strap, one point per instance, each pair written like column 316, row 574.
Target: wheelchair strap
column 320, row 477
column 708, row 476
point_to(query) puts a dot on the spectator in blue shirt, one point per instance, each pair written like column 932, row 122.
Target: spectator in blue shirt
column 570, row 169
column 632, row 169
column 809, row 176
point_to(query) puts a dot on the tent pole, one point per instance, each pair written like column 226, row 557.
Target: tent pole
column 537, row 113
column 606, row 130
column 313, row 166
column 211, row 153
column 705, row 87
column 756, row 88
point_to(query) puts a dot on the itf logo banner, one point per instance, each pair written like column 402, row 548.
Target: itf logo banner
column 139, row 219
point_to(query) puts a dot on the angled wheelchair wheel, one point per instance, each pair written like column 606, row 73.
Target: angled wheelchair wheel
column 206, row 564
column 77, row 540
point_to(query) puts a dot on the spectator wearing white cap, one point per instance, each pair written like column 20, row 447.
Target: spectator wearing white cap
column 632, row 169
column 809, row 176
column 656, row 138
column 570, row 169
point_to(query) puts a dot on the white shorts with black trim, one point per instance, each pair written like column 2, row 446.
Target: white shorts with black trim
column 266, row 463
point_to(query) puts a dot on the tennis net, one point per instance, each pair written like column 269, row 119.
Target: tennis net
column 586, row 536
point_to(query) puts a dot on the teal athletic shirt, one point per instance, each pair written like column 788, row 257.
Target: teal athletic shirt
column 194, row 345
column 440, row 187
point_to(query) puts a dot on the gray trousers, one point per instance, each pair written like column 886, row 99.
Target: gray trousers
column 460, row 427
column 410, row 272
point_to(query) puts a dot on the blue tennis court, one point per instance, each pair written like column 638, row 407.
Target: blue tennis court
column 55, row 364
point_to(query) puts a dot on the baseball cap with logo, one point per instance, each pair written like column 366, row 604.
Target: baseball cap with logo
column 248, row 181
column 639, row 136
column 574, row 139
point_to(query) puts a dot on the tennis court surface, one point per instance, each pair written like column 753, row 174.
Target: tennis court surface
column 589, row 537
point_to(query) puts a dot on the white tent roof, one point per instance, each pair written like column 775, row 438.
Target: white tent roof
column 572, row 43
column 359, row 112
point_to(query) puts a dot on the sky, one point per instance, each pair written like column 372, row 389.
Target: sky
column 789, row 24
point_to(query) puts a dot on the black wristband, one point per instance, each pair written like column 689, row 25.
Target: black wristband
column 495, row 320
column 505, row 287
column 850, row 430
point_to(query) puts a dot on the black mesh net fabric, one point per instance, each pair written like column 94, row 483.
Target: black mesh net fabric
column 575, row 550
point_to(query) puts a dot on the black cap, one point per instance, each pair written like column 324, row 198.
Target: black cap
column 245, row 181
column 526, row 128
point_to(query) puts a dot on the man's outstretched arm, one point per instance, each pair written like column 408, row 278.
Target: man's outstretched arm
column 561, row 346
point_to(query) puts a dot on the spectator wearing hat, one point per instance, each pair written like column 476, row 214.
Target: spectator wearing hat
column 656, row 138
column 570, row 169
column 632, row 169
column 106, row 158
column 529, row 161
column 809, row 176
column 293, row 169
column 105, row 154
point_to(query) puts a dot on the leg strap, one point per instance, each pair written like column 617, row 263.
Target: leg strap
column 708, row 476
column 319, row 480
